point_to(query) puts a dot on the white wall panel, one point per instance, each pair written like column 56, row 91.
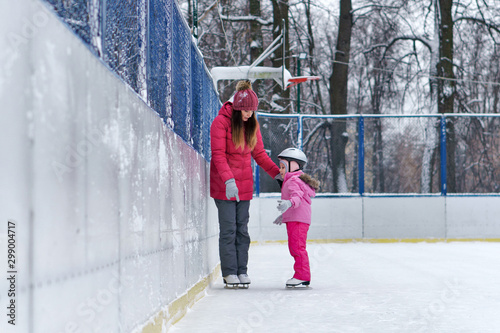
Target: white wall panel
column 433, row 217
column 118, row 204
column 402, row 217
column 470, row 217
column 336, row 218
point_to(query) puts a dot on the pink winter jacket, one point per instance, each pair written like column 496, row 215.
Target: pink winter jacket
column 300, row 194
column 228, row 162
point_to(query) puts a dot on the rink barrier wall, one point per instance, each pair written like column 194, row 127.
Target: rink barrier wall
column 176, row 310
column 113, row 217
column 386, row 219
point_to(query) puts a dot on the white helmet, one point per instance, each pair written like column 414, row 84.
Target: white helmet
column 294, row 154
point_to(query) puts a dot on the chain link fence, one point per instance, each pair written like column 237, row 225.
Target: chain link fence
column 402, row 155
column 148, row 44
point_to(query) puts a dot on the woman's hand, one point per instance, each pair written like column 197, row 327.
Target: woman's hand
column 232, row 190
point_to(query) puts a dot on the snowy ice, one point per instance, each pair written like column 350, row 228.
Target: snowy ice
column 360, row 287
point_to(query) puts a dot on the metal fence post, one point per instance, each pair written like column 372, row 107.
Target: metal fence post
column 300, row 132
column 361, row 155
column 148, row 49
column 257, row 180
column 103, row 31
column 443, row 154
column 256, row 177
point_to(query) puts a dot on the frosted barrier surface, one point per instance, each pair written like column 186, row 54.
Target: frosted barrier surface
column 394, row 218
column 110, row 207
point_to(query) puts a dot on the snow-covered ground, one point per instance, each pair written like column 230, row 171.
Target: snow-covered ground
column 360, row 287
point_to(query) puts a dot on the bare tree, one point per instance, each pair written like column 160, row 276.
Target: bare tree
column 280, row 97
column 338, row 96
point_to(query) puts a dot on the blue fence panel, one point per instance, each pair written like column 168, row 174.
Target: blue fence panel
column 77, row 15
column 123, row 41
column 181, row 83
column 210, row 102
column 160, row 57
column 197, row 98
column 394, row 154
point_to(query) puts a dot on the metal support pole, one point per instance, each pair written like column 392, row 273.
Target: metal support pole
column 302, row 56
column 443, row 154
column 257, row 180
column 300, row 132
column 148, row 49
column 361, row 155
column 298, row 86
column 256, row 176
column 103, row 31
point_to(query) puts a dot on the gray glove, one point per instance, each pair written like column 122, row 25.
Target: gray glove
column 279, row 220
column 232, row 189
column 283, row 205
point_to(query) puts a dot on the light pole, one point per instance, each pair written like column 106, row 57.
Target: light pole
column 302, row 56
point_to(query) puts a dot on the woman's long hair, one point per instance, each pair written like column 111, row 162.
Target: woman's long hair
column 244, row 131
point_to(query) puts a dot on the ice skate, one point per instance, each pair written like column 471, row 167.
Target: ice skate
column 293, row 283
column 231, row 281
column 244, row 281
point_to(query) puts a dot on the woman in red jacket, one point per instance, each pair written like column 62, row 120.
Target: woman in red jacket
column 235, row 138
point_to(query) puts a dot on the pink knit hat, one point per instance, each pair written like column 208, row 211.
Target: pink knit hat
column 245, row 98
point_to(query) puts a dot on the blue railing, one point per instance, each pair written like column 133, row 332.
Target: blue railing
column 469, row 163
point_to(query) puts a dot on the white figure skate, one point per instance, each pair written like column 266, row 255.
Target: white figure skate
column 244, row 281
column 293, row 283
column 231, row 281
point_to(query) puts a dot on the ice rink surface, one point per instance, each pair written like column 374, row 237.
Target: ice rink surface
column 360, row 287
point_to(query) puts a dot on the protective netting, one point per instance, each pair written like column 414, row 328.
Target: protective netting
column 477, row 154
column 149, row 46
column 398, row 155
column 402, row 155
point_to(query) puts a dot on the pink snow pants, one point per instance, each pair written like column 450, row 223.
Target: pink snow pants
column 297, row 237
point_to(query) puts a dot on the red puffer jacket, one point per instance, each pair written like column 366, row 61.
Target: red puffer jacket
column 228, row 162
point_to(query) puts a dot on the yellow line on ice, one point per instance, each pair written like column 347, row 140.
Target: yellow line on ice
column 384, row 240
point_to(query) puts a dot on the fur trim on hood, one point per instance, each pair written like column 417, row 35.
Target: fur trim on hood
column 312, row 182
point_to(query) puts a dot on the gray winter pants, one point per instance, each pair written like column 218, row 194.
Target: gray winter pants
column 234, row 240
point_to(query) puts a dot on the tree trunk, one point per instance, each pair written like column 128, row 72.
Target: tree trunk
column 446, row 88
column 256, row 41
column 316, row 93
column 378, row 148
column 280, row 13
column 338, row 96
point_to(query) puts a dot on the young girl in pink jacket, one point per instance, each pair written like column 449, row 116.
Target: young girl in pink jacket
column 295, row 205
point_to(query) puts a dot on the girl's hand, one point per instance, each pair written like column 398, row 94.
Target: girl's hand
column 283, row 205
column 279, row 220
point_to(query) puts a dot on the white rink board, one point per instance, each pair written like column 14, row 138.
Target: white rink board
column 113, row 216
column 473, row 217
column 341, row 218
column 404, row 217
